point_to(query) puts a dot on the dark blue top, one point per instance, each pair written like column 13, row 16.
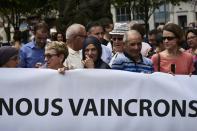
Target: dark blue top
column 30, row 55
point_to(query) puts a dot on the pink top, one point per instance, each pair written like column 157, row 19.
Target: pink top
column 189, row 50
column 183, row 64
column 194, row 56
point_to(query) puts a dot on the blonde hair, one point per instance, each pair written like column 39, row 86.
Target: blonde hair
column 59, row 47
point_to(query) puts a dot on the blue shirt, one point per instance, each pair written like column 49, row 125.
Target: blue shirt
column 125, row 62
column 30, row 55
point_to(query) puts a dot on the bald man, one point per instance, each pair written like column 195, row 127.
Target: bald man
column 75, row 35
column 131, row 59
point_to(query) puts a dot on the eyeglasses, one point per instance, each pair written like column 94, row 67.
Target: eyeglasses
column 49, row 56
column 117, row 38
column 192, row 37
column 168, row 38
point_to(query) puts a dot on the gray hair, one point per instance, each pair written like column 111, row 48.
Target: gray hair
column 73, row 29
column 130, row 32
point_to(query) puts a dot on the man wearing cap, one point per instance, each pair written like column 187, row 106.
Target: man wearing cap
column 131, row 59
column 8, row 57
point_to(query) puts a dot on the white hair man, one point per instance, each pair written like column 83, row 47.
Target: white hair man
column 75, row 35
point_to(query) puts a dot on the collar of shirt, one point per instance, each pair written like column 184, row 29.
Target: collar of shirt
column 131, row 58
column 73, row 52
column 32, row 44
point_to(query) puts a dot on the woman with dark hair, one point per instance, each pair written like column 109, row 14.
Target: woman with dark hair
column 191, row 37
column 60, row 37
column 172, row 59
column 92, row 52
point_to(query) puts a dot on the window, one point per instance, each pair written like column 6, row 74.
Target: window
column 162, row 14
column 122, row 14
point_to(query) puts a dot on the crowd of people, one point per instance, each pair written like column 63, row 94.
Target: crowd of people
column 104, row 46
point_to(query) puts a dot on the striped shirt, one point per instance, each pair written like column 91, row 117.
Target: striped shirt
column 125, row 62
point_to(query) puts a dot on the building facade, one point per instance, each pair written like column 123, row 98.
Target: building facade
column 184, row 14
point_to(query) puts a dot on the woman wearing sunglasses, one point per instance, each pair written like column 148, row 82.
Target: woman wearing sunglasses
column 55, row 54
column 172, row 59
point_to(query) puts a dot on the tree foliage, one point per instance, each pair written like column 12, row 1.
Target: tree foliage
column 82, row 11
column 13, row 10
column 70, row 11
column 76, row 11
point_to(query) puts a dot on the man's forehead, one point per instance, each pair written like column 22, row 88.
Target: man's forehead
column 82, row 30
column 95, row 28
column 134, row 37
column 91, row 46
column 134, row 41
column 152, row 35
column 41, row 31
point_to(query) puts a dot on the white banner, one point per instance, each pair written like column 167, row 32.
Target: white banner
column 96, row 100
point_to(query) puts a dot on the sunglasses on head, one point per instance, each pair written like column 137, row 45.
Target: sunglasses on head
column 168, row 38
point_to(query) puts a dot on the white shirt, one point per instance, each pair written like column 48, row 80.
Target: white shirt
column 109, row 45
column 74, row 59
column 145, row 49
column 106, row 54
column 114, row 57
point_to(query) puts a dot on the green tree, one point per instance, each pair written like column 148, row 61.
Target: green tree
column 12, row 10
column 82, row 11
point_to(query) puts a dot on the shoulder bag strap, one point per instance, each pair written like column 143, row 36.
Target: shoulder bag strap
column 158, row 62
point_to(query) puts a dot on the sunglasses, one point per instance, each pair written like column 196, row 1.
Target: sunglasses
column 116, row 38
column 168, row 38
column 49, row 56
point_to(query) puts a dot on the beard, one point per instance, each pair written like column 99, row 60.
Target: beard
column 41, row 44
